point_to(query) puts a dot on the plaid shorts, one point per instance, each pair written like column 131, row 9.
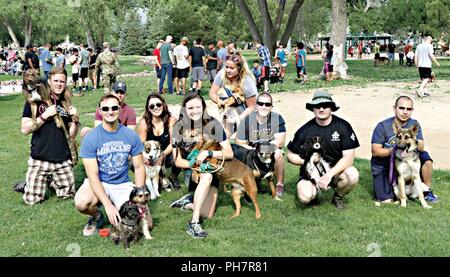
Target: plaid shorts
column 38, row 171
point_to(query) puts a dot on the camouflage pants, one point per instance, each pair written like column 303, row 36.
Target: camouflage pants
column 108, row 81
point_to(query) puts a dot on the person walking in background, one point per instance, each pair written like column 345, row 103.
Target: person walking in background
column 423, row 59
column 157, row 65
column 109, row 63
column 264, row 55
column 167, row 63
column 46, row 60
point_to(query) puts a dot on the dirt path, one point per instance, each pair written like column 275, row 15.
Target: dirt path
column 365, row 106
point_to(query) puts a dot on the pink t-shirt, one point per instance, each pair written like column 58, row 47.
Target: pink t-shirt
column 127, row 115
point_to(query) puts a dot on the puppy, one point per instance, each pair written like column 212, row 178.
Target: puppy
column 230, row 98
column 314, row 166
column 140, row 197
column 127, row 230
column 407, row 166
column 154, row 173
column 378, row 60
column 230, row 172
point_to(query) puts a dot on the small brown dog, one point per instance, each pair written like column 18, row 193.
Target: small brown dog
column 127, row 231
column 407, row 165
column 378, row 60
column 232, row 172
column 229, row 100
column 155, row 174
column 140, row 196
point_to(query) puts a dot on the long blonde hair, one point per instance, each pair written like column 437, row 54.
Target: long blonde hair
column 239, row 60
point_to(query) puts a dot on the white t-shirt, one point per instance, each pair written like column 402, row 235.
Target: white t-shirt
column 423, row 53
column 76, row 65
column 181, row 52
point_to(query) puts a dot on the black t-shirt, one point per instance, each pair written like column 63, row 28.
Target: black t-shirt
column 48, row 143
column 34, row 60
column 250, row 130
column 92, row 60
column 391, row 48
column 190, row 136
column 211, row 64
column 336, row 137
column 197, row 53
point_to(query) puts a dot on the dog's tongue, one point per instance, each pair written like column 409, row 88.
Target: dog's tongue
column 404, row 153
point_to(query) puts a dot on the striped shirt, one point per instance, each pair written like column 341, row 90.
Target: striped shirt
column 264, row 55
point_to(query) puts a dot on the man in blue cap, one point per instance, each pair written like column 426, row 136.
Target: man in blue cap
column 338, row 142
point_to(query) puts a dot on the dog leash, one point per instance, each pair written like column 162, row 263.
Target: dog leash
column 392, row 179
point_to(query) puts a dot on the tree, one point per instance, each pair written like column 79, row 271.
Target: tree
column 132, row 39
column 271, row 29
column 338, row 36
column 314, row 18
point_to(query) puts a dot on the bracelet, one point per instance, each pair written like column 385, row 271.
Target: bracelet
column 42, row 118
column 210, row 153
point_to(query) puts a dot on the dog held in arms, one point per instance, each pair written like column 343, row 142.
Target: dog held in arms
column 407, row 166
column 155, row 174
column 314, row 166
column 228, row 98
column 135, row 219
column 230, row 172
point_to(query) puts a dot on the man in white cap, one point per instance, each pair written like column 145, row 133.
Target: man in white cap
column 338, row 143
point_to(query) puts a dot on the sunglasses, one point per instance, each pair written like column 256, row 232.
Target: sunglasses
column 324, row 106
column 120, row 92
column 157, row 105
column 267, row 104
column 405, row 108
column 112, row 108
column 234, row 58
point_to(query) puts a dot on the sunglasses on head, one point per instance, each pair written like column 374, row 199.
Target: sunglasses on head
column 112, row 108
column 234, row 58
column 157, row 105
column 267, row 104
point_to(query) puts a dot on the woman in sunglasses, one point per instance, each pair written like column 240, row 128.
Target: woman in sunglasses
column 193, row 125
column 235, row 74
column 156, row 124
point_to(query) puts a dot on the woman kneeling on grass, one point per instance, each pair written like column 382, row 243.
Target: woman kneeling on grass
column 194, row 124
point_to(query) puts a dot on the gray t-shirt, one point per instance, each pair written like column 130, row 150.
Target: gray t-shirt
column 85, row 58
column 249, row 84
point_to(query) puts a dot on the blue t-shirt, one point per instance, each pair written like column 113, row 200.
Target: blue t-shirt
column 281, row 55
column 111, row 149
column 221, row 55
column 384, row 135
column 301, row 53
column 45, row 55
column 61, row 61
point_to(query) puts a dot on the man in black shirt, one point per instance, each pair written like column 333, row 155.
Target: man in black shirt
column 211, row 64
column 338, row 141
column 50, row 153
column 31, row 59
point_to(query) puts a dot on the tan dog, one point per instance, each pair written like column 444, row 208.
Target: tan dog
column 230, row 98
column 232, row 172
column 407, row 165
column 155, row 174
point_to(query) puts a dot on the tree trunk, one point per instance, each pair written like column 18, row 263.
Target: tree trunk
column 12, row 34
column 270, row 38
column 292, row 19
column 250, row 21
column 90, row 39
column 28, row 25
column 339, row 35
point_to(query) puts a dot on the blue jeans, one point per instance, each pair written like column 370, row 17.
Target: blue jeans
column 166, row 68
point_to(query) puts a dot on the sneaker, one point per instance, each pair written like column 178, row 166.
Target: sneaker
column 280, row 191
column 426, row 93
column 430, row 196
column 419, row 93
column 338, row 201
column 93, row 225
column 196, row 230
column 180, row 203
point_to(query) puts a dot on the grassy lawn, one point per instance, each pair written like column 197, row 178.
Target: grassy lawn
column 285, row 229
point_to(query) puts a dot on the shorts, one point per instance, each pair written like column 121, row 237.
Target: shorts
column 198, row 73
column 158, row 72
column 301, row 69
column 84, row 72
column 92, row 73
column 425, row 72
column 118, row 194
column 75, row 77
column 182, row 73
column 265, row 70
column 174, row 73
column 211, row 74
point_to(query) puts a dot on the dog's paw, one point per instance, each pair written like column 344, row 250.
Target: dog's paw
column 377, row 204
column 427, row 206
column 148, row 237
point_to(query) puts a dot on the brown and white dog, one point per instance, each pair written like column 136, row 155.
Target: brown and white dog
column 155, row 174
column 407, row 166
column 140, row 197
column 229, row 99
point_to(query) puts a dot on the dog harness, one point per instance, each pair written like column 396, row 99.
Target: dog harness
column 230, row 94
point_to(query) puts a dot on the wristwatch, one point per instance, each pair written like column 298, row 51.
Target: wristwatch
column 210, row 153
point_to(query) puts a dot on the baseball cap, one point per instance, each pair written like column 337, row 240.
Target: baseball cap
column 119, row 86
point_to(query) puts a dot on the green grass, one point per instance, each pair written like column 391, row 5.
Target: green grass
column 285, row 229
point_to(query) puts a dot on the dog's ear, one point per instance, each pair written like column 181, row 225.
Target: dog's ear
column 133, row 194
column 395, row 127
column 414, row 130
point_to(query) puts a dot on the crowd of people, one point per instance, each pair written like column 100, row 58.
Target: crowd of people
column 117, row 139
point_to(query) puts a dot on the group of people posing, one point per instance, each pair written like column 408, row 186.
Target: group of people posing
column 117, row 139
